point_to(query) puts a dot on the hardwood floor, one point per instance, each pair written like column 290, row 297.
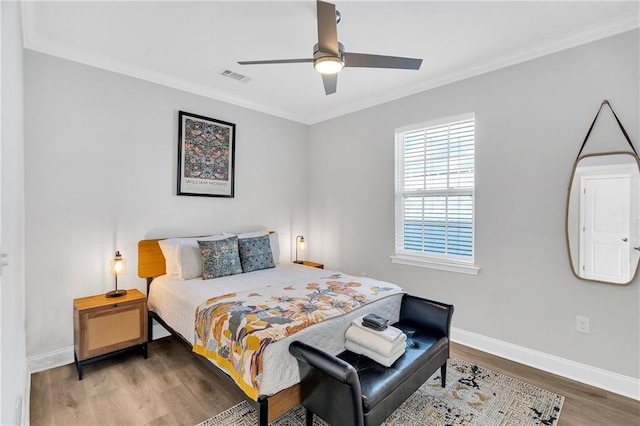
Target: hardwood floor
column 174, row 387
column 171, row 387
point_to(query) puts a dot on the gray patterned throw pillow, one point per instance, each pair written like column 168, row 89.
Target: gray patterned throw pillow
column 220, row 258
column 255, row 253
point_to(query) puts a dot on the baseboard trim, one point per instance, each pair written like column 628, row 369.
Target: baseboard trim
column 64, row 356
column 604, row 379
column 49, row 360
column 593, row 376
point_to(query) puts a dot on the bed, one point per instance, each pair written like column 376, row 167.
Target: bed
column 173, row 302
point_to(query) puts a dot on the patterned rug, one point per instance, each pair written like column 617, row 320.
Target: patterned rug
column 473, row 396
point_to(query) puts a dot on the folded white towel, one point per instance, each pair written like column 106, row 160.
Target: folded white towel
column 390, row 333
column 387, row 361
column 374, row 342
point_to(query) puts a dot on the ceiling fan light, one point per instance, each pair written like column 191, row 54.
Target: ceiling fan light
column 328, row 65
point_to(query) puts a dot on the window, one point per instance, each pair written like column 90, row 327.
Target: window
column 435, row 165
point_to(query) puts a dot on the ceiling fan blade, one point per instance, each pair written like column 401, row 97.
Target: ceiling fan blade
column 364, row 60
column 327, row 27
column 276, row 61
column 330, row 82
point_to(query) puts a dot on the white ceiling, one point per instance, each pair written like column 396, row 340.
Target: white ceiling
column 187, row 44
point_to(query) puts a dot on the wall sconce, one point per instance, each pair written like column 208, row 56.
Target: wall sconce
column 300, row 245
column 118, row 266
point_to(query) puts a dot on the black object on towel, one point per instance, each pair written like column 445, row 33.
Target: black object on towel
column 375, row 322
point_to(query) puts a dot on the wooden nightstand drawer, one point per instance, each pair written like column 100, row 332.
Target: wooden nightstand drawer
column 111, row 329
column 106, row 326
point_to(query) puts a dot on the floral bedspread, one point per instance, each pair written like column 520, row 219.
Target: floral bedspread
column 234, row 329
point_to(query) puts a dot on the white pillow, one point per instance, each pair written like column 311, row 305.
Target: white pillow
column 168, row 248
column 275, row 246
column 188, row 257
column 252, row 234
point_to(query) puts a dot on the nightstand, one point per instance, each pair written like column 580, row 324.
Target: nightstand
column 104, row 327
column 312, row 264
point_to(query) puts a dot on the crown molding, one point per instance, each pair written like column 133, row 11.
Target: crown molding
column 32, row 42
column 109, row 64
column 611, row 27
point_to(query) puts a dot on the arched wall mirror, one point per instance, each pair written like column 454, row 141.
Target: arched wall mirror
column 603, row 217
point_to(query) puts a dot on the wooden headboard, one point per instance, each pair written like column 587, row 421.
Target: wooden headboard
column 150, row 259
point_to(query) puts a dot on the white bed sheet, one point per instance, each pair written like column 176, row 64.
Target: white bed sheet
column 176, row 301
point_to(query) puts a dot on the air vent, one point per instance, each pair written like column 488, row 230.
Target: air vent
column 235, row 76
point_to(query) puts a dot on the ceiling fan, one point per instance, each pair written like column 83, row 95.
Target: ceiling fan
column 329, row 56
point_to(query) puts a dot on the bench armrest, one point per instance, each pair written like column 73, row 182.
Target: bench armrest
column 427, row 314
column 332, row 366
column 330, row 387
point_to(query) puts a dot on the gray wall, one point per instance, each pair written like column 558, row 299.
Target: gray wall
column 13, row 366
column 101, row 153
column 530, row 122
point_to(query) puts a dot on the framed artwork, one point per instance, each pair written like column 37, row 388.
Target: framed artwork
column 205, row 156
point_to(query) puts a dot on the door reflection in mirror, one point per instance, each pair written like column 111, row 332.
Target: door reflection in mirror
column 603, row 217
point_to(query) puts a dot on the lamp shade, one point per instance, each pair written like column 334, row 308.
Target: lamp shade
column 300, row 245
column 118, row 265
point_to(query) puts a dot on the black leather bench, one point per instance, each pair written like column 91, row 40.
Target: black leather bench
column 351, row 390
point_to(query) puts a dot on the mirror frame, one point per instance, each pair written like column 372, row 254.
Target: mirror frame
column 566, row 218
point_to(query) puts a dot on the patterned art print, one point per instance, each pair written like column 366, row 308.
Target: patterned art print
column 205, row 156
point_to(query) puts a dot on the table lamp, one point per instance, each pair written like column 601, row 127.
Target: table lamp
column 300, row 244
column 118, row 266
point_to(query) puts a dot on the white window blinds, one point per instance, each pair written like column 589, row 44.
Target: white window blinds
column 435, row 189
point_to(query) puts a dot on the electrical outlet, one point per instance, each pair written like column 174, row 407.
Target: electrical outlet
column 583, row 325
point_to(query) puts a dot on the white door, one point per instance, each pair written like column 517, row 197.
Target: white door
column 605, row 247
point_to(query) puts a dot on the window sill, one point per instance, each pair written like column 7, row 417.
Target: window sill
column 462, row 268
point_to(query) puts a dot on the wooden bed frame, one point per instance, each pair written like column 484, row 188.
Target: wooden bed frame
column 151, row 264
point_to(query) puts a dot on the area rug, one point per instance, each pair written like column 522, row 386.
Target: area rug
column 473, row 396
